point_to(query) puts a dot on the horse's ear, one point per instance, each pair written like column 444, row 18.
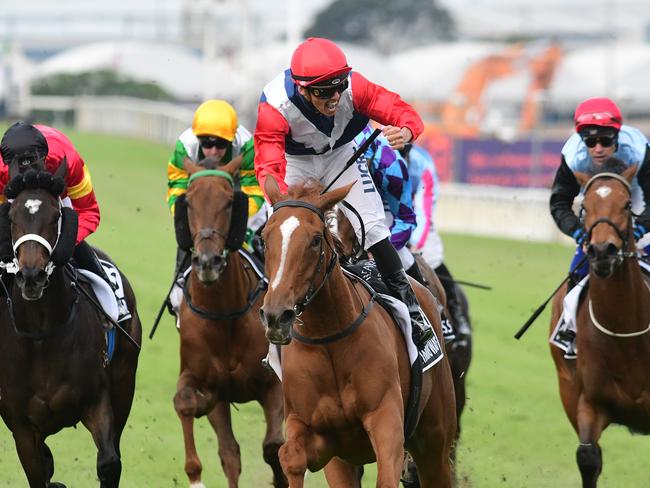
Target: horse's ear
column 272, row 189
column 62, row 170
column 332, row 197
column 234, row 165
column 629, row 173
column 190, row 166
column 582, row 178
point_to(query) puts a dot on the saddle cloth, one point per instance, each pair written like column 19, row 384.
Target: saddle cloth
column 111, row 299
column 570, row 309
column 430, row 354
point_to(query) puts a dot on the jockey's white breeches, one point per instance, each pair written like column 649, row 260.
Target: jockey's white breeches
column 363, row 196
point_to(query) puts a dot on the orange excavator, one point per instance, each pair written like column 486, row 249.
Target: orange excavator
column 463, row 113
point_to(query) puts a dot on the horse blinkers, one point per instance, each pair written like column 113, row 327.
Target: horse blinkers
column 236, row 232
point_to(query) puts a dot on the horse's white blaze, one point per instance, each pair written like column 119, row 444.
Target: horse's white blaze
column 603, row 191
column 33, row 205
column 287, row 228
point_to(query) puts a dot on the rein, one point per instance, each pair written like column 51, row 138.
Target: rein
column 312, row 291
column 620, row 255
column 252, row 296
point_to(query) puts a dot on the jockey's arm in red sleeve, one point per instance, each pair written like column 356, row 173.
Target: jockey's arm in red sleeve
column 269, row 140
column 82, row 195
column 384, row 106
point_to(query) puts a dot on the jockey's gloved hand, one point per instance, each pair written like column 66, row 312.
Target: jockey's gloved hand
column 579, row 235
column 639, row 231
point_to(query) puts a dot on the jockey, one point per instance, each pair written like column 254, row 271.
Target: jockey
column 600, row 135
column 308, row 117
column 425, row 185
column 23, row 145
column 215, row 133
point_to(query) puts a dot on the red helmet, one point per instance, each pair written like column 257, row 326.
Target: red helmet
column 600, row 111
column 317, row 60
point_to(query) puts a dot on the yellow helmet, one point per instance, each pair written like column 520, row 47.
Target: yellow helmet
column 215, row 118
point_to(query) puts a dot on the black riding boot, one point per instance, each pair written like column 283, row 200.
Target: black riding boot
column 85, row 257
column 459, row 320
column 393, row 274
column 400, row 287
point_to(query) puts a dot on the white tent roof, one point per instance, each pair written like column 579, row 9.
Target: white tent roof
column 176, row 69
column 620, row 71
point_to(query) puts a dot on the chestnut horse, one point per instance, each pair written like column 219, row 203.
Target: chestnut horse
column 55, row 366
column 346, row 377
column 609, row 381
column 460, row 353
column 222, row 340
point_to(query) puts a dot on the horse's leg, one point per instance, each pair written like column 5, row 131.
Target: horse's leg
column 229, row 454
column 100, row 422
column 591, row 424
column 186, row 405
column 30, row 452
column 293, row 453
column 385, row 430
column 340, row 474
column 273, row 406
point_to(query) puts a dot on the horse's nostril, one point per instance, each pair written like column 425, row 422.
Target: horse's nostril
column 287, row 317
column 611, row 249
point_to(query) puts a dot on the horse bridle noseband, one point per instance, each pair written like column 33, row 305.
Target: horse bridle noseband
column 208, row 233
column 312, row 291
column 625, row 238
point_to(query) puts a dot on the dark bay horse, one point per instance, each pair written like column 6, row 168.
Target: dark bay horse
column 346, row 374
column 222, row 339
column 54, row 360
column 609, row 380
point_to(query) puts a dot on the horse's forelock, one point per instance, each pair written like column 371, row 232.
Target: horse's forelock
column 209, row 163
column 307, row 191
column 33, row 180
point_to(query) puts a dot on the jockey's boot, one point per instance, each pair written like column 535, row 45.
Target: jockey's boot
column 460, row 321
column 85, row 257
column 400, row 287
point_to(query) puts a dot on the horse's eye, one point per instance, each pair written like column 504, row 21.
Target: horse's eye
column 315, row 242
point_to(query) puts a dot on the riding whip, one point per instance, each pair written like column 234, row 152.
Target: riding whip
column 362, row 149
column 465, row 283
column 181, row 270
column 541, row 308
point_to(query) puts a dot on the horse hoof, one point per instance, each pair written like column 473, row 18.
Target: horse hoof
column 56, row 484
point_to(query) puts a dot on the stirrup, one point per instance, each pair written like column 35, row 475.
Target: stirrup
column 421, row 329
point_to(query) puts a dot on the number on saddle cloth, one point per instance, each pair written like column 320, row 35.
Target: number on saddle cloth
column 238, row 222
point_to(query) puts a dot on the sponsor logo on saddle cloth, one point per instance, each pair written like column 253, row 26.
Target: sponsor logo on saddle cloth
column 570, row 305
column 110, row 297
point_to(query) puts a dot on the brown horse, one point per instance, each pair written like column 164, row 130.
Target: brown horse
column 222, row 340
column 55, row 366
column 346, row 377
column 609, row 381
column 460, row 355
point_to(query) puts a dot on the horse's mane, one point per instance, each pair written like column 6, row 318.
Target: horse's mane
column 32, row 180
column 209, row 163
column 310, row 191
column 612, row 165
